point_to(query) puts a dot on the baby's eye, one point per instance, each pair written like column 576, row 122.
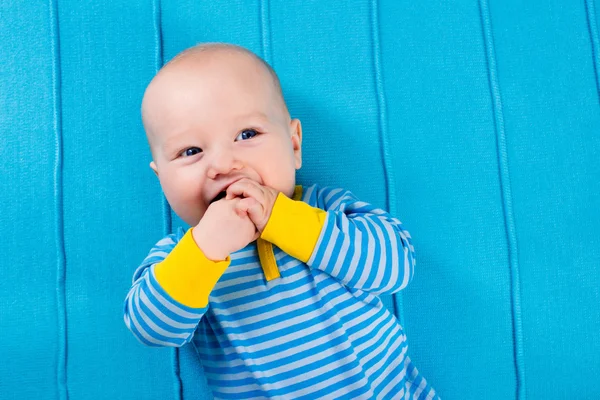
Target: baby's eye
column 191, row 151
column 246, row 134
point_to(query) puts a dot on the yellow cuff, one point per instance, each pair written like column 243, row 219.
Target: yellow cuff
column 294, row 227
column 187, row 275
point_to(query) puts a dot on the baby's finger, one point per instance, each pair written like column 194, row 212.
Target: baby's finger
column 243, row 206
column 245, row 188
column 256, row 212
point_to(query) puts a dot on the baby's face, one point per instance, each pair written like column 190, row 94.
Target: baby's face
column 212, row 121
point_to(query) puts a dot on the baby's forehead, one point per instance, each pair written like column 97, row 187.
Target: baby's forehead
column 226, row 73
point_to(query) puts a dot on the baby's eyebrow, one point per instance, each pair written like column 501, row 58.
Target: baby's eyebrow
column 173, row 143
column 258, row 115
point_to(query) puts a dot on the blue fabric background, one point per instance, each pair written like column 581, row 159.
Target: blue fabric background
column 477, row 123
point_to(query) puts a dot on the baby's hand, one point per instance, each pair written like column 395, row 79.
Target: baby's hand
column 224, row 229
column 258, row 200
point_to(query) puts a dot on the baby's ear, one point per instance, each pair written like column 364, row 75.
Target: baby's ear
column 153, row 166
column 296, row 133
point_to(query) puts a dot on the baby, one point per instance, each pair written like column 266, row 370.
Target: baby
column 276, row 284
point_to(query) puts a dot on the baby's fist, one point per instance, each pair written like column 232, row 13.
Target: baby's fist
column 257, row 200
column 224, row 229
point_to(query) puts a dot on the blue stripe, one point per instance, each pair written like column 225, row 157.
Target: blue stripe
column 306, row 311
column 376, row 345
column 275, row 290
column 294, row 297
column 337, row 385
column 326, row 233
column 143, row 307
column 289, row 389
column 335, row 251
column 350, row 331
column 227, row 381
column 155, row 335
column 370, row 234
column 237, row 396
column 392, row 260
column 163, row 309
column 354, row 278
column 272, row 350
column 390, row 375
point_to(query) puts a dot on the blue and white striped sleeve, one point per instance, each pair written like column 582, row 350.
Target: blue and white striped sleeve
column 150, row 313
column 360, row 245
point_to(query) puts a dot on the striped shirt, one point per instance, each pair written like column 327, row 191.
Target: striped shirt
column 318, row 330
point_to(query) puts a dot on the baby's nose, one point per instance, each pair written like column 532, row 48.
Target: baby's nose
column 222, row 163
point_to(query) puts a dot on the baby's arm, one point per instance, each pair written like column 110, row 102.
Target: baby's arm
column 170, row 292
column 362, row 246
column 170, row 289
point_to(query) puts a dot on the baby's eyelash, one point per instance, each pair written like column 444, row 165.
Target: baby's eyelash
column 182, row 152
column 256, row 132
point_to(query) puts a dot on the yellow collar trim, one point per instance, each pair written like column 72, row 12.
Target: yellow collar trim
column 265, row 249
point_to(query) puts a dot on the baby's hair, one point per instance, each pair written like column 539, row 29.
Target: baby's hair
column 203, row 47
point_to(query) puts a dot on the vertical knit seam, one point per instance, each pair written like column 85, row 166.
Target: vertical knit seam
column 61, row 370
column 593, row 28
column 388, row 169
column 166, row 208
column 505, row 185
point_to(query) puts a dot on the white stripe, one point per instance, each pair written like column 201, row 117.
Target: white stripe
column 145, row 334
column 298, row 306
column 306, row 376
column 158, row 253
column 389, row 368
column 306, row 194
column 228, row 281
column 329, row 195
column 264, row 330
column 370, row 255
column 383, row 362
column 343, row 313
column 316, row 328
column 341, row 254
column 393, row 263
column 343, row 198
column 251, row 252
column 406, row 265
column 420, row 389
column 290, row 290
column 165, row 241
column 357, row 247
column 383, row 261
column 310, row 375
column 164, row 318
column 330, row 246
column 356, row 385
column 157, row 329
column 331, row 381
column 252, row 291
column 392, row 335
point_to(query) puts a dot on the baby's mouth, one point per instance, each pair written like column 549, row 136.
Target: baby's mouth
column 219, row 197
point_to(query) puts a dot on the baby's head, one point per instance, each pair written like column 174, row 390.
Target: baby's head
column 215, row 114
